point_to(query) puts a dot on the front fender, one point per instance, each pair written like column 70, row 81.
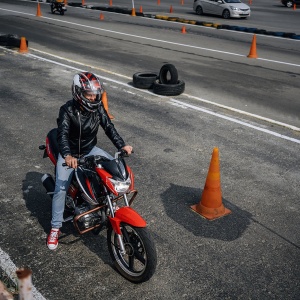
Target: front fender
column 127, row 215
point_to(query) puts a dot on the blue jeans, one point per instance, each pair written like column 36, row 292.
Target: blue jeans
column 63, row 179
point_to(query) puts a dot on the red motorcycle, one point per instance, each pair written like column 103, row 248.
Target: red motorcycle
column 93, row 203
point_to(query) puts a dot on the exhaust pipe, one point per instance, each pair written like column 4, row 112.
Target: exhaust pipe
column 49, row 184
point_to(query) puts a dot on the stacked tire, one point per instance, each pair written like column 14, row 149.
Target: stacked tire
column 144, row 80
column 165, row 83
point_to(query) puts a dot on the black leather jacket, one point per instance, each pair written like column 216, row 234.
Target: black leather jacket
column 77, row 129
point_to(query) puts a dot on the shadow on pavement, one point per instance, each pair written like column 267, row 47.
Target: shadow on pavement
column 40, row 205
column 36, row 199
column 177, row 201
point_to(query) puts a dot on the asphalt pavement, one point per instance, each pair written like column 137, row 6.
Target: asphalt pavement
column 252, row 253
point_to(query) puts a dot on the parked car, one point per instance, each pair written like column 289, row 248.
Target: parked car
column 225, row 8
column 290, row 3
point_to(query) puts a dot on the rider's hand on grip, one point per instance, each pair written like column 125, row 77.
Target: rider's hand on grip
column 126, row 150
column 71, row 161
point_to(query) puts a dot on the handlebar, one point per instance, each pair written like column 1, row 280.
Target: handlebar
column 122, row 153
column 82, row 160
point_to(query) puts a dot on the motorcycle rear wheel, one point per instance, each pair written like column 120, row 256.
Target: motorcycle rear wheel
column 138, row 264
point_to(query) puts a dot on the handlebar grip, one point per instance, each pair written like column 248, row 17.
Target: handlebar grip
column 124, row 153
column 80, row 161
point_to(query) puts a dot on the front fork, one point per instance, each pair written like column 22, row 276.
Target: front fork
column 112, row 213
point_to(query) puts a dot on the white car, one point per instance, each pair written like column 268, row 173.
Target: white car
column 225, row 8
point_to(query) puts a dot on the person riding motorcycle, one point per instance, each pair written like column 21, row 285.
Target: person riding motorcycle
column 78, row 123
column 55, row 4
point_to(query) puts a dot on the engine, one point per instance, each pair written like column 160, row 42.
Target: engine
column 88, row 220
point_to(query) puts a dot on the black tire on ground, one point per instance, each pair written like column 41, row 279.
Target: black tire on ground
column 138, row 264
column 168, row 74
column 169, row 89
column 10, row 40
column 144, row 80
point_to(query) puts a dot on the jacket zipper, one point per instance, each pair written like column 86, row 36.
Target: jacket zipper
column 79, row 133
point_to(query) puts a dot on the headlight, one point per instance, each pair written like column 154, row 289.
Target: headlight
column 121, row 186
column 233, row 8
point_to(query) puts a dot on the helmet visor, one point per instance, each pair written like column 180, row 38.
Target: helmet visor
column 92, row 87
column 92, row 92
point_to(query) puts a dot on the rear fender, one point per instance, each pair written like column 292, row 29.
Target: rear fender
column 126, row 215
column 50, row 154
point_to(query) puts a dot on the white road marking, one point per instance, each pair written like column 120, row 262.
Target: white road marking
column 10, row 269
column 173, row 101
column 198, row 108
column 245, row 113
column 146, row 91
column 151, row 39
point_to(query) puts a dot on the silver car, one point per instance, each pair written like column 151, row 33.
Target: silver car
column 225, row 8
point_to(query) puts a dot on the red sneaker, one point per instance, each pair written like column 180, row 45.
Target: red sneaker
column 52, row 240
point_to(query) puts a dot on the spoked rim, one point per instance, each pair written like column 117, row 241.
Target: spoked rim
column 134, row 261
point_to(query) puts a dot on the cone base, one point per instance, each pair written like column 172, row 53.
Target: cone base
column 252, row 56
column 210, row 213
column 133, row 14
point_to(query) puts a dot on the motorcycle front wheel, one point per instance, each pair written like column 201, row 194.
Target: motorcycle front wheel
column 138, row 264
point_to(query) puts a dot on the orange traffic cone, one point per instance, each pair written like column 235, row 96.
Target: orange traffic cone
column 183, row 29
column 38, row 11
column 82, row 2
column 182, row 2
column 23, row 46
column 211, row 206
column 105, row 104
column 294, row 6
column 141, row 9
column 250, row 2
column 65, row 2
column 133, row 12
column 171, row 9
column 101, row 16
column 252, row 53
column 158, row 2
column 110, row 2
